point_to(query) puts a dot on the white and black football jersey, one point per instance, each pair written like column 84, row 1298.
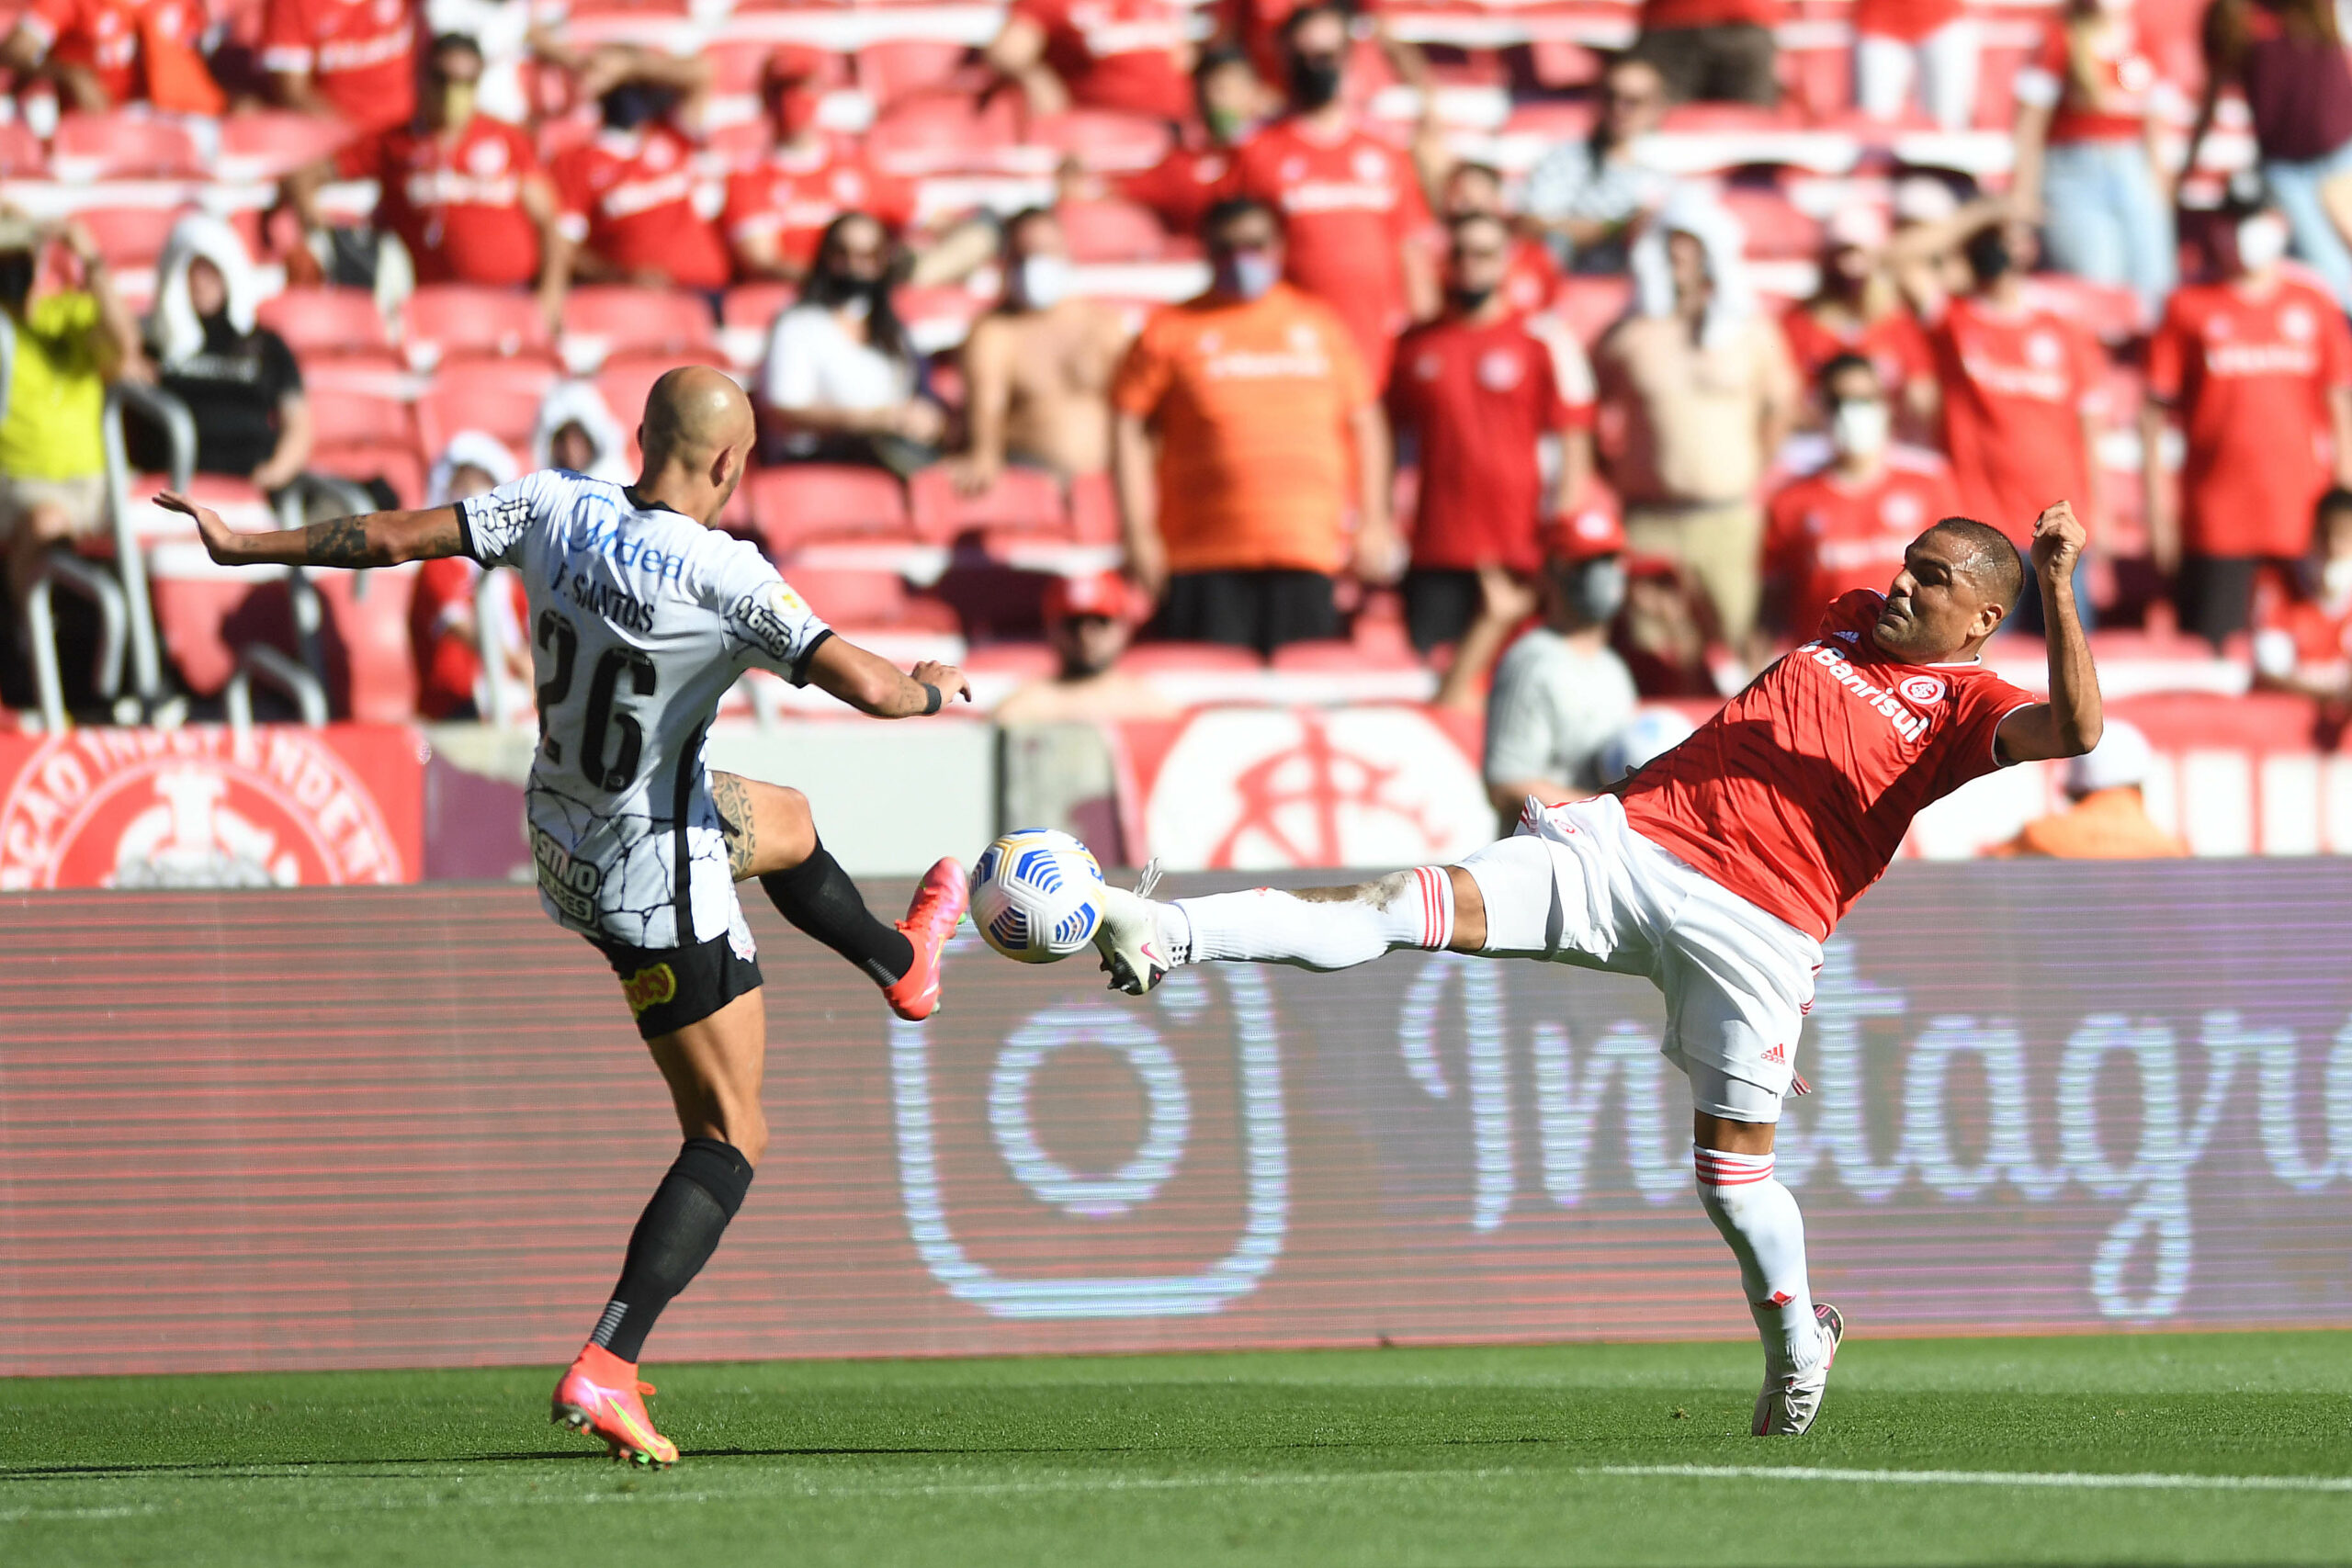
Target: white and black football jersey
column 640, row 619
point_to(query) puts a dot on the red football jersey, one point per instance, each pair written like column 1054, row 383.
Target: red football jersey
column 1664, row 15
column 1893, row 343
column 1350, row 206
column 102, row 36
column 1477, row 399
column 1909, row 20
column 2016, row 385
column 796, row 192
column 2250, row 375
column 1825, row 537
column 458, row 206
column 1258, row 24
column 1116, row 54
column 2127, row 80
column 628, row 196
column 1181, row 187
column 1797, row 793
column 2317, row 636
column 361, row 55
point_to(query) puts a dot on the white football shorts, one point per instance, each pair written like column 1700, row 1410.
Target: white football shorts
column 1577, row 884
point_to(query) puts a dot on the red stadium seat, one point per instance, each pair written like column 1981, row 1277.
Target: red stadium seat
column 21, row 154
column 2111, row 311
column 1590, row 306
column 498, row 397
column 1094, row 509
column 266, row 144
column 1773, row 226
column 1189, row 659
column 1104, row 141
column 206, row 615
column 1022, row 499
column 90, row 147
column 191, row 615
column 1017, row 660
column 371, row 667
column 794, row 505
column 1342, row 655
column 1112, row 232
column 129, row 236
column 936, row 134
column 458, row 318
column 340, row 418
column 756, row 305
column 894, row 68
column 638, row 321
column 335, row 321
column 398, row 464
column 938, row 318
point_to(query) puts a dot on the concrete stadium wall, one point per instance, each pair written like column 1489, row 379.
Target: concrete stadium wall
column 412, row 1125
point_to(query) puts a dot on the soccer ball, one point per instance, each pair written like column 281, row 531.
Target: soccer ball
column 1038, row 895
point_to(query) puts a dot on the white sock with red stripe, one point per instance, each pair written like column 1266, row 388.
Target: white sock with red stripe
column 1759, row 1218
column 1412, row 908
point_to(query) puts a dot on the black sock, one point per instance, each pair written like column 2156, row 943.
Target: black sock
column 675, row 1237
column 818, row 896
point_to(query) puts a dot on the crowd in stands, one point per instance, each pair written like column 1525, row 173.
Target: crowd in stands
column 1595, row 399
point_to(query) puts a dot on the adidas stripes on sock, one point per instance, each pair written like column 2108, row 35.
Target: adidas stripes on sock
column 1411, row 908
column 1760, row 1220
column 675, row 1237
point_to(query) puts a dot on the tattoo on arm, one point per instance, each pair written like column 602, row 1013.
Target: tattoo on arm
column 734, row 803
column 343, row 542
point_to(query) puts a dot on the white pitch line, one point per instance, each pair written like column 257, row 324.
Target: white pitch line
column 2090, row 1480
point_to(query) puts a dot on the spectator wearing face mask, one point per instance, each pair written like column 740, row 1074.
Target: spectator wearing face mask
column 1713, row 50
column 1560, row 693
column 627, row 194
column 1352, row 203
column 2258, row 369
column 841, row 383
column 1702, row 379
column 1088, row 623
column 463, row 192
column 1477, row 190
column 1256, row 28
column 2303, row 644
column 1243, row 424
column 1475, row 394
column 1037, row 369
column 777, row 207
column 2090, row 162
column 575, row 431
column 1590, row 197
column 1930, row 42
column 444, row 632
column 2022, row 387
column 1849, row 526
column 1227, row 99
column 1857, row 310
column 1128, row 55
column 240, row 382
column 351, row 59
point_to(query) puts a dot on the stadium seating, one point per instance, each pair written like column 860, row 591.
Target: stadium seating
column 1112, row 232
column 89, row 147
column 265, row 144
column 1102, row 140
column 22, row 156
column 498, row 397
column 327, row 322
column 455, row 318
column 1026, row 501
column 636, row 320
column 129, row 237
column 896, row 69
column 1191, row 659
column 795, row 506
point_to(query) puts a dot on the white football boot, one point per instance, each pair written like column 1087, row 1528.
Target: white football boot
column 1790, row 1401
column 1135, row 954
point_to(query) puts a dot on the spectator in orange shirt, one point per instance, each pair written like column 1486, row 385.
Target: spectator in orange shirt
column 1352, row 203
column 356, row 59
column 627, row 195
column 102, row 53
column 1713, row 50
column 1128, row 55
column 2109, row 819
column 1237, row 418
column 2303, row 644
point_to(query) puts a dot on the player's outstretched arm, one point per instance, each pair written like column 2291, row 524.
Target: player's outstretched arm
column 871, row 683
column 379, row 538
column 2069, row 724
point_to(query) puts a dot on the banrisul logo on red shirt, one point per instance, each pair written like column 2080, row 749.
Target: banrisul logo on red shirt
column 1910, row 725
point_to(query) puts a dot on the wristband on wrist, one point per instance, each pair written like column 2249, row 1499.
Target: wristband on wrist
column 931, row 699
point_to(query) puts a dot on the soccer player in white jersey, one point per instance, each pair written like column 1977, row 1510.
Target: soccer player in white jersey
column 1717, row 870
column 642, row 614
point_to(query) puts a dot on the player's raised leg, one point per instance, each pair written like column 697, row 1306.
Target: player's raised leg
column 713, row 1067
column 772, row 835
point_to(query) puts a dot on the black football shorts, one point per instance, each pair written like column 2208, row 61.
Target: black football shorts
column 669, row 987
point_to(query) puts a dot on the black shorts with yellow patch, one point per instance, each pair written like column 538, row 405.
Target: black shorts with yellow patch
column 669, row 987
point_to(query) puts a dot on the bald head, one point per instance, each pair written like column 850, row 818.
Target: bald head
column 697, row 436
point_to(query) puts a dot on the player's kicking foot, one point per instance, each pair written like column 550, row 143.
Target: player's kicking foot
column 1790, row 1400
column 939, row 904
column 1135, row 952
column 601, row 1397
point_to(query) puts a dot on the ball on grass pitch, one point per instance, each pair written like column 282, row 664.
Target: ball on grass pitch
column 1038, row 895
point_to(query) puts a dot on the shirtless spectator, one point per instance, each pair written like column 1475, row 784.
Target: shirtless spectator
column 1181, row 187
column 463, row 192
column 1037, row 369
column 1128, row 55
column 1088, row 623
column 354, row 59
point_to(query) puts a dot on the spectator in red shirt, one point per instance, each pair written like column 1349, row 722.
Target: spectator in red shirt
column 1258, row 27
column 102, row 53
column 1181, row 188
column 2022, row 387
column 444, row 634
column 352, row 58
column 2303, row 644
column 2089, row 159
column 777, row 209
column 1352, row 203
column 1476, row 189
column 1477, row 392
column 463, row 192
column 1847, row 527
column 1129, row 55
column 627, row 195
column 2258, row 369
column 1857, row 310
column 1713, row 50
column 1933, row 41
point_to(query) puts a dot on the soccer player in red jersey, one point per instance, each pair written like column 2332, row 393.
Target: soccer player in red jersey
column 1717, row 871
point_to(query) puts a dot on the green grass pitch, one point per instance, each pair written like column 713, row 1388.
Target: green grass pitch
column 2132, row 1448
